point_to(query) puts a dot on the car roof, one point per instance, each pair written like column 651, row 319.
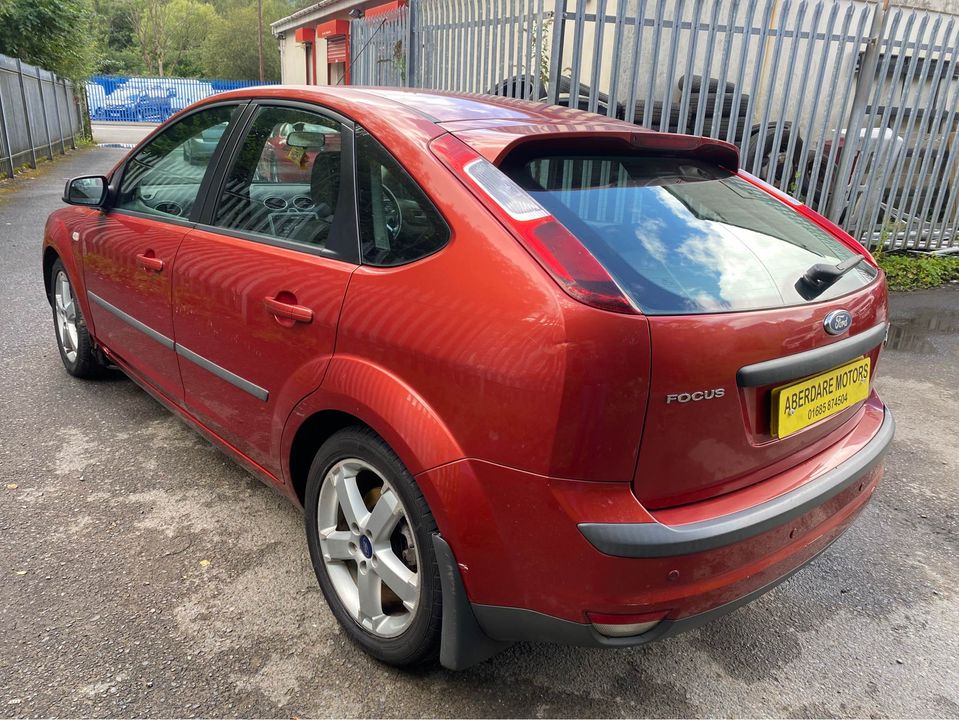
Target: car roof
column 490, row 124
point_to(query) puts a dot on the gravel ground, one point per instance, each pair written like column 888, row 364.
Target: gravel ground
column 144, row 574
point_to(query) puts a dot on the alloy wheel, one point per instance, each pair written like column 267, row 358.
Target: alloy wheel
column 368, row 548
column 66, row 310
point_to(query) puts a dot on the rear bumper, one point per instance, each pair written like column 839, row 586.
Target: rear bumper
column 648, row 540
column 528, row 565
column 516, row 624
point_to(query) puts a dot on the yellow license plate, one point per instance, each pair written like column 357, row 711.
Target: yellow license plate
column 801, row 404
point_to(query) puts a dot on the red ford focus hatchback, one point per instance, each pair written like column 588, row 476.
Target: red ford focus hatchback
column 532, row 373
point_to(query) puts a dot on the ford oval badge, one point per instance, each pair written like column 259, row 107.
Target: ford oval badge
column 837, row 322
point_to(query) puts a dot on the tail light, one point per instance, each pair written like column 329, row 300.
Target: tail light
column 615, row 625
column 559, row 252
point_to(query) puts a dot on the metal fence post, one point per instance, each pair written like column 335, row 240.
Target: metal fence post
column 43, row 109
column 864, row 87
column 6, row 136
column 66, row 104
column 412, row 37
column 56, row 106
column 556, row 51
column 26, row 116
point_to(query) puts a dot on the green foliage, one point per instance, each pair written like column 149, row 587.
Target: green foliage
column 169, row 32
column 186, row 38
column 49, row 34
column 915, row 272
column 230, row 49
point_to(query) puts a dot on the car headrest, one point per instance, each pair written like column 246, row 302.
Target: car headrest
column 325, row 179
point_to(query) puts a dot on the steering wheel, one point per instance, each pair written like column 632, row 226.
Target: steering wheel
column 392, row 215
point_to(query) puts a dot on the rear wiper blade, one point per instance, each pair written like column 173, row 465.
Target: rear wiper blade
column 817, row 279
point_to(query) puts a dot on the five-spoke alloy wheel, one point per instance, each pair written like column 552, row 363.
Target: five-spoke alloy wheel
column 73, row 339
column 370, row 535
column 65, row 314
column 368, row 548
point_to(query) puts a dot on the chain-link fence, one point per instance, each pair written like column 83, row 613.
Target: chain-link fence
column 849, row 105
column 39, row 115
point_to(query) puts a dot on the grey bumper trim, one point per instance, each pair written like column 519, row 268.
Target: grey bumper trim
column 646, row 540
column 790, row 367
column 132, row 321
column 511, row 624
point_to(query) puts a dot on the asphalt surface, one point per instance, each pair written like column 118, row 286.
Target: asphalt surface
column 144, row 574
column 120, row 133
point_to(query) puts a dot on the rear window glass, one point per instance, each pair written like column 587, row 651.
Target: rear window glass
column 682, row 236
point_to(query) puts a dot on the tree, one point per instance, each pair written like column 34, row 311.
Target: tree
column 117, row 49
column 230, row 48
column 48, row 33
column 169, row 32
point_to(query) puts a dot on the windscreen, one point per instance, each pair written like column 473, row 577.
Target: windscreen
column 681, row 236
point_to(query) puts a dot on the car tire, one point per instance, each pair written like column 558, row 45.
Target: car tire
column 354, row 473
column 77, row 349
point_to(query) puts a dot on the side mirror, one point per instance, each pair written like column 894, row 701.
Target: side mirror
column 90, row 191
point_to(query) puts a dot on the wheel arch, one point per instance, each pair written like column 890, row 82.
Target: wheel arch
column 357, row 392
column 310, row 435
column 50, row 256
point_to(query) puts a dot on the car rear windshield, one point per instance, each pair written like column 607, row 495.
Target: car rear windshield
column 681, row 236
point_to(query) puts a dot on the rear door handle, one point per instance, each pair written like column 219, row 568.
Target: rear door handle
column 288, row 311
column 150, row 262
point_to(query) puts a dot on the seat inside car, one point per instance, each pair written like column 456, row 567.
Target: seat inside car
column 325, row 183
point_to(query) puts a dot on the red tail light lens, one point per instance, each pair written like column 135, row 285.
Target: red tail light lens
column 560, row 253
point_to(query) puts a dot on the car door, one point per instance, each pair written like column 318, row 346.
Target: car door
column 129, row 251
column 259, row 283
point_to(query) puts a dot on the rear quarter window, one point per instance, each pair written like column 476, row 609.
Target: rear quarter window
column 398, row 223
column 683, row 236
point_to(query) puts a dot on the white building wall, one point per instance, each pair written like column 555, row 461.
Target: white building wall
column 292, row 60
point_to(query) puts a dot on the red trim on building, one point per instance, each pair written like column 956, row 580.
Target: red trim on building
column 337, row 36
column 304, row 35
column 332, row 28
column 385, row 8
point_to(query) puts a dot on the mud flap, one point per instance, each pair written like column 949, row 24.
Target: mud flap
column 463, row 643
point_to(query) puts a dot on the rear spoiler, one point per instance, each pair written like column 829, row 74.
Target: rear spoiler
column 718, row 151
column 495, row 143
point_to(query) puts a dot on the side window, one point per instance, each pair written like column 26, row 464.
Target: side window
column 164, row 176
column 398, row 223
column 285, row 183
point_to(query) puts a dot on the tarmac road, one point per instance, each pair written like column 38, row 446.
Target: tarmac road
column 144, row 574
column 120, row 133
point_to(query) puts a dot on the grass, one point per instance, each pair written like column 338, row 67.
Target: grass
column 917, row 272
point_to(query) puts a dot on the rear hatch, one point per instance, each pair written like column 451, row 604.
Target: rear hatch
column 715, row 263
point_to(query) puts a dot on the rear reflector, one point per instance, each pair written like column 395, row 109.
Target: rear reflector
column 624, row 625
column 559, row 252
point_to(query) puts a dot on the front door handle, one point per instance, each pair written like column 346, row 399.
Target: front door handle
column 288, row 311
column 149, row 261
